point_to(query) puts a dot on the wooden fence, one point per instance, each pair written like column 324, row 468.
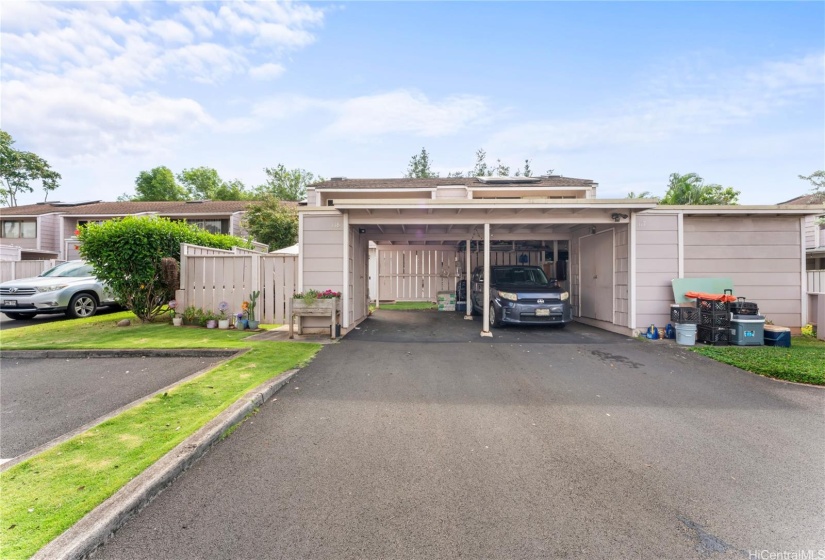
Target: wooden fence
column 12, row 270
column 816, row 281
column 415, row 274
column 211, row 276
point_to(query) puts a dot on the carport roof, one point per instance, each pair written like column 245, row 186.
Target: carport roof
column 378, row 184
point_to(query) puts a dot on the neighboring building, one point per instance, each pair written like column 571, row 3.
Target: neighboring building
column 814, row 232
column 616, row 257
column 45, row 230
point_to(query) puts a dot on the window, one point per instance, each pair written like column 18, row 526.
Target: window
column 19, row 229
column 212, row 226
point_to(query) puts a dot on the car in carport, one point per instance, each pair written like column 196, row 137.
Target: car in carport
column 521, row 295
column 69, row 288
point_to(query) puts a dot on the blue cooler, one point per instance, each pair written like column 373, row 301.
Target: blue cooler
column 777, row 336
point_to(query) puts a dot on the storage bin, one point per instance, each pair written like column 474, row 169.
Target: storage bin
column 461, row 306
column 747, row 330
column 777, row 336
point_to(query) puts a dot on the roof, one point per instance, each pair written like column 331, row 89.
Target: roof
column 805, row 199
column 472, row 182
column 176, row 208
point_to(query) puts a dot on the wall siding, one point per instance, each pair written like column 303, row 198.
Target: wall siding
column 761, row 255
column 323, row 260
column 657, row 264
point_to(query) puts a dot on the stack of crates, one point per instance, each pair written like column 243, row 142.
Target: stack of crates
column 714, row 322
column 446, row 301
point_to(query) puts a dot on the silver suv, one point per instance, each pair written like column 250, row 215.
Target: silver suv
column 69, row 288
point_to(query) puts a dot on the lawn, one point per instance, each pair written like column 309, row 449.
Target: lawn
column 803, row 362
column 46, row 494
column 409, row 305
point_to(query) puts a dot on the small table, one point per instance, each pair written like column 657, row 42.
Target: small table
column 319, row 308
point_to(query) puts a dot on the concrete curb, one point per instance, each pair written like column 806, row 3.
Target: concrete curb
column 94, row 529
column 115, row 353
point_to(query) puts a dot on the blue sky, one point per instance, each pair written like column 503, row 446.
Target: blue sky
column 621, row 93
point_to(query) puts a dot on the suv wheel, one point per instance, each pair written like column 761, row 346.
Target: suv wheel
column 495, row 320
column 82, row 305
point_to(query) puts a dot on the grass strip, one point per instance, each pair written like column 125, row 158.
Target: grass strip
column 409, row 305
column 803, row 362
column 45, row 495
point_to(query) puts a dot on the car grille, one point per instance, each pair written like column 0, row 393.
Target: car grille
column 543, row 319
column 536, row 300
column 18, row 292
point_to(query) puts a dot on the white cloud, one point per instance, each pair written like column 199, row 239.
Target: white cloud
column 700, row 104
column 268, row 71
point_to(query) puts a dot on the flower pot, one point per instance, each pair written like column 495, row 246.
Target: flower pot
column 239, row 325
column 177, row 321
column 253, row 324
column 223, row 324
column 211, row 324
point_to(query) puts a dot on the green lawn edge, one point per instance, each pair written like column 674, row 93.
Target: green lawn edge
column 803, row 362
column 409, row 306
column 46, row 494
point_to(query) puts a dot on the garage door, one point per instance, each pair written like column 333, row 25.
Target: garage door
column 597, row 276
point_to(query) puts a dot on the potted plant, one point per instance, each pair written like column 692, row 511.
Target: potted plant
column 240, row 321
column 177, row 320
column 253, row 301
column 211, row 320
column 223, row 320
column 190, row 315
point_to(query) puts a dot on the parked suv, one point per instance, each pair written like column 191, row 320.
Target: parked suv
column 69, row 288
column 521, row 294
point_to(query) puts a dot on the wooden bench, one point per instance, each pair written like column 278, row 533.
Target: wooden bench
column 320, row 308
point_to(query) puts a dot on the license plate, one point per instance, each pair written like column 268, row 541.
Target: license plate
column 10, row 302
column 542, row 312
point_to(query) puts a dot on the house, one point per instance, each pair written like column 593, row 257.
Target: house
column 45, row 230
column 616, row 257
column 814, row 232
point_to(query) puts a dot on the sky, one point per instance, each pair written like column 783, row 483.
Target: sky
column 621, row 93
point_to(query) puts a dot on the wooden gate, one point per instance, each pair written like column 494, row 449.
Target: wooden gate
column 415, row 273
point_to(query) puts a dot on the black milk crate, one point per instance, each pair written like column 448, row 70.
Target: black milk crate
column 714, row 336
column 684, row 315
column 712, row 306
column 716, row 320
column 742, row 307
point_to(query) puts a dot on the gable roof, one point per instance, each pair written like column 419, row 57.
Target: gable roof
column 471, row 182
column 804, row 199
column 173, row 208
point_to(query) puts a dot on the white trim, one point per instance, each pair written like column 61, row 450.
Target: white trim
column 680, row 234
column 345, row 290
column 485, row 327
column 301, row 252
column 467, row 278
column 379, row 189
column 631, row 271
column 803, row 277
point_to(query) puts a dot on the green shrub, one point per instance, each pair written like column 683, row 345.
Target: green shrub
column 127, row 254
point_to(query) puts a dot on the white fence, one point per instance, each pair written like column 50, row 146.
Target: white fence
column 410, row 274
column 816, row 281
column 211, row 276
column 12, row 270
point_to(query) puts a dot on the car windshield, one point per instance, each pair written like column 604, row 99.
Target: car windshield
column 74, row 269
column 520, row 275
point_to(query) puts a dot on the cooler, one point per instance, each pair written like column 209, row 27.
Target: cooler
column 747, row 330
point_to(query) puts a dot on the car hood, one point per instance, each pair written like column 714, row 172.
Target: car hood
column 36, row 281
column 521, row 289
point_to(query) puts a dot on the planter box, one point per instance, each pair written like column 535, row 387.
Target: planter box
column 316, row 308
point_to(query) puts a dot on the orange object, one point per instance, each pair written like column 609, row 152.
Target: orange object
column 711, row 297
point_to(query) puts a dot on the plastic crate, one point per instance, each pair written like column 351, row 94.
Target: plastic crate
column 684, row 315
column 714, row 336
column 714, row 320
column 712, row 306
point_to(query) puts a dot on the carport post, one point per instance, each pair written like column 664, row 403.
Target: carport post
column 467, row 275
column 485, row 329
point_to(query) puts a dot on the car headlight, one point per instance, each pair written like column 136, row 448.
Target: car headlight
column 563, row 296
column 52, row 288
column 508, row 295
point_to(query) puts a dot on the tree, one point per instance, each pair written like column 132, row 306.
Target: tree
column 527, row 171
column 157, row 184
column 817, row 180
column 130, row 255
column 204, row 183
column 691, row 189
column 480, row 169
column 419, row 167
column 272, row 222
column 286, row 184
column 18, row 169
column 643, row 194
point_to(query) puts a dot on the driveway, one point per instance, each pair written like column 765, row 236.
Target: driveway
column 45, row 398
column 416, row 438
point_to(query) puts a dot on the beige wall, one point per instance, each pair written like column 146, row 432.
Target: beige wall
column 657, row 264
column 451, row 192
column 48, row 231
column 372, row 195
column 760, row 254
column 322, row 253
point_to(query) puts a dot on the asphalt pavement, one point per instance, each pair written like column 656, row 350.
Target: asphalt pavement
column 416, row 438
column 45, row 398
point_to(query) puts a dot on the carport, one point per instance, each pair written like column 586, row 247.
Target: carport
column 437, row 231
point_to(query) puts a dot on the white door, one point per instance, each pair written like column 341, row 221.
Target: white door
column 596, row 258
